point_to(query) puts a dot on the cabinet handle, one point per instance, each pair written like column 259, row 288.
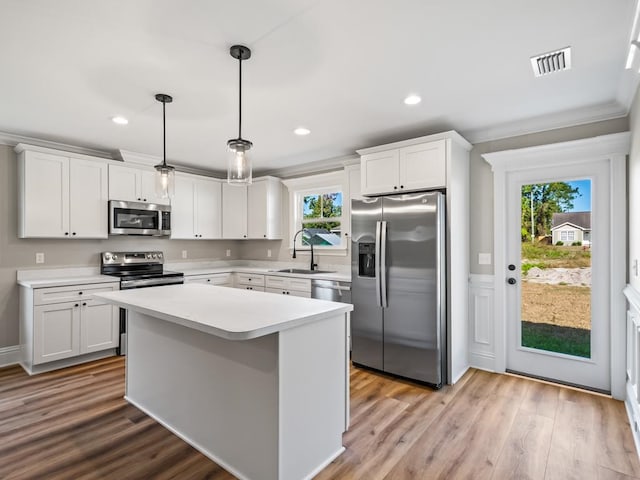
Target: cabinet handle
column 73, row 233
column 265, row 236
column 79, row 293
column 244, row 236
column 395, row 187
column 208, row 279
column 76, row 305
column 139, row 199
column 66, row 233
column 144, row 199
column 401, row 186
column 84, row 304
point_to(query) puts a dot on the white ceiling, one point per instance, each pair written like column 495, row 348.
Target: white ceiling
column 340, row 68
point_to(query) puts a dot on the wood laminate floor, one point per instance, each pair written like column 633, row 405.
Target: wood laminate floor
column 74, row 424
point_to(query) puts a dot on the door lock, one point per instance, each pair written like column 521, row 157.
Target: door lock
column 511, row 267
column 511, row 281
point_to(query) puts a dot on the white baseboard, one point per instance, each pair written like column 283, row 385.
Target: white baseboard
column 483, row 361
column 9, row 355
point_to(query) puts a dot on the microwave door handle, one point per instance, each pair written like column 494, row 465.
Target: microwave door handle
column 377, row 265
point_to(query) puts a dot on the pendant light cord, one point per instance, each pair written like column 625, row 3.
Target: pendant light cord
column 240, row 98
column 164, row 135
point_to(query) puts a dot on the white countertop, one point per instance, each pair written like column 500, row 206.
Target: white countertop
column 234, row 314
column 198, row 270
column 60, row 277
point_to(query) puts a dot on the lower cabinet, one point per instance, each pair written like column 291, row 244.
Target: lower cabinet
column 63, row 322
column 249, row 281
column 298, row 287
column 218, row 279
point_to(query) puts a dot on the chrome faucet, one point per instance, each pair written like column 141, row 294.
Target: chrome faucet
column 313, row 265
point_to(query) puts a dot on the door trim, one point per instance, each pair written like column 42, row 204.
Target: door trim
column 614, row 148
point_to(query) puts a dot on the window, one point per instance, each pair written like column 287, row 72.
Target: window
column 567, row 236
column 321, row 218
column 563, row 235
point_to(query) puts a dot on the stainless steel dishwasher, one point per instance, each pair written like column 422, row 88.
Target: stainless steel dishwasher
column 332, row 290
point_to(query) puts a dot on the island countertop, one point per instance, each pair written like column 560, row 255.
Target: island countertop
column 229, row 313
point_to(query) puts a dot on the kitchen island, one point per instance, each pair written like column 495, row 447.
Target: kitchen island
column 257, row 382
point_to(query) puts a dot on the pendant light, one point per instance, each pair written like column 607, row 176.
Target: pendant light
column 165, row 181
column 239, row 165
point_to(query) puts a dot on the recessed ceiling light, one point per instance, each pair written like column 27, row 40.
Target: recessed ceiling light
column 120, row 120
column 302, row 131
column 412, row 100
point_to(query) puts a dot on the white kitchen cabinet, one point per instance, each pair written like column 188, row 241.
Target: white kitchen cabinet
column 249, row 281
column 252, row 212
column 196, row 209
column 58, row 323
column 410, row 168
column 216, row 279
column 133, row 184
column 264, row 207
column 297, row 287
column 61, row 196
column 234, row 211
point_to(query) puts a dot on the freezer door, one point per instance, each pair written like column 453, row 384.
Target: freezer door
column 366, row 318
column 414, row 318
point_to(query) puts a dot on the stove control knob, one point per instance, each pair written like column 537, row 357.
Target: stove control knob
column 160, row 255
column 155, row 255
column 115, row 257
column 149, row 256
column 107, row 256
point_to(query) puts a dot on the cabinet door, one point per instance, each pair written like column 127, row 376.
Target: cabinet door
column 148, row 187
column 257, row 210
column 234, row 211
column 44, row 208
column 380, row 172
column 297, row 293
column 88, row 197
column 124, row 184
column 423, row 166
column 56, row 332
column 182, row 209
column 208, row 208
column 99, row 326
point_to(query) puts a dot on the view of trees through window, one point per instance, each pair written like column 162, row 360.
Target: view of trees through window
column 556, row 267
column 321, row 219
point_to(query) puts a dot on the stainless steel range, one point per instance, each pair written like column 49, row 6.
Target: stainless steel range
column 136, row 270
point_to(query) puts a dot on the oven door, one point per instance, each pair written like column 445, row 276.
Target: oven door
column 135, row 218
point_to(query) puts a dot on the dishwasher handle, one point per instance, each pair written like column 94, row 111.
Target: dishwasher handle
column 336, row 287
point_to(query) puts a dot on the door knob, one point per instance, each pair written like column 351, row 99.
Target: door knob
column 511, row 281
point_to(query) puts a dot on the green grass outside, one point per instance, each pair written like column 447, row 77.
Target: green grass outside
column 552, row 256
column 553, row 338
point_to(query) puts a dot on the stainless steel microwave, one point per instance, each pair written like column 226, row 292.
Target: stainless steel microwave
column 137, row 218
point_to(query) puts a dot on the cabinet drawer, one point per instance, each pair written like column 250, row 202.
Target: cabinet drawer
column 291, row 293
column 70, row 293
column 255, row 288
column 221, row 279
column 249, row 279
column 288, row 283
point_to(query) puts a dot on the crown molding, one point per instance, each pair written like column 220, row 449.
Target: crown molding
column 11, row 140
column 312, row 168
column 569, row 118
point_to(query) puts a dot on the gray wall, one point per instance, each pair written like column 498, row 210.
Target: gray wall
column 481, row 194
column 19, row 254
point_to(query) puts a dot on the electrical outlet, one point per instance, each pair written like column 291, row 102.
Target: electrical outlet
column 184, row 254
column 635, row 267
column 484, row 259
column 268, row 252
column 228, row 253
column 39, row 257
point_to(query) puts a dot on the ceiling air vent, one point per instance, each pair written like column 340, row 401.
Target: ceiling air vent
column 551, row 62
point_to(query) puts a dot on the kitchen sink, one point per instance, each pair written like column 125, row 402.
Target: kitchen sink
column 303, row 271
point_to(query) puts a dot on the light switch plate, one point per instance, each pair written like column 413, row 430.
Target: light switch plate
column 39, row 257
column 484, row 259
column 268, row 252
column 228, row 253
column 184, row 254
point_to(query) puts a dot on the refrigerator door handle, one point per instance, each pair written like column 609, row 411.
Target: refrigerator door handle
column 383, row 264
column 377, row 265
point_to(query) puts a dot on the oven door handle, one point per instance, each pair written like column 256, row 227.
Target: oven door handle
column 152, row 282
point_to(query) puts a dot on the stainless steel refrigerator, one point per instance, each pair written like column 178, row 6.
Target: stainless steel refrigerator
column 398, row 285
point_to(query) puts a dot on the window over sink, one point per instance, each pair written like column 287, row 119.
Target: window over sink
column 321, row 219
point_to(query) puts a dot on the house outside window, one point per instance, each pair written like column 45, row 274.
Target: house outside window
column 567, row 236
column 320, row 214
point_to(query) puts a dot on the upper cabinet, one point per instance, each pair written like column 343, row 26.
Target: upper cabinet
column 60, row 195
column 409, row 168
column 133, row 183
column 196, row 208
column 254, row 211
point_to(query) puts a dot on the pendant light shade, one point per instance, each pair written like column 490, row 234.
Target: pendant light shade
column 239, row 164
column 165, row 179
